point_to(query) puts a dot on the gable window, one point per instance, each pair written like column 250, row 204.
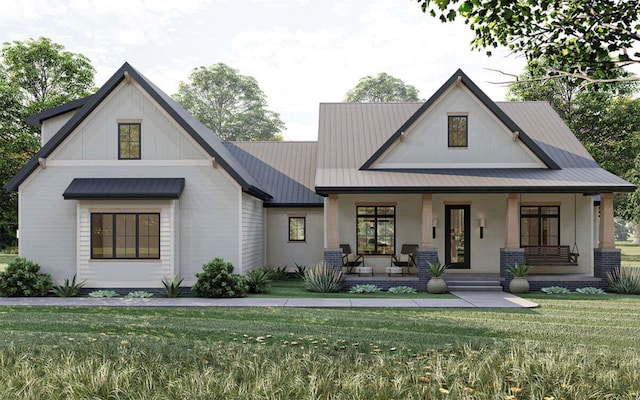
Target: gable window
column 458, row 131
column 125, row 235
column 376, row 227
column 129, row 141
column 297, row 229
column 539, row 226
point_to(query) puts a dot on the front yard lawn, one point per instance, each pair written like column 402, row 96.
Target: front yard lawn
column 567, row 349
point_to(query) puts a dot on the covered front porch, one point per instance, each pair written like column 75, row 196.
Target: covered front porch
column 480, row 235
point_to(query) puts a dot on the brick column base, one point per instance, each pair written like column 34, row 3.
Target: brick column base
column 333, row 257
column 508, row 258
column 425, row 256
column 605, row 260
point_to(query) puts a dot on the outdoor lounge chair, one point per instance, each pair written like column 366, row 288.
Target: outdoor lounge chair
column 350, row 260
column 406, row 259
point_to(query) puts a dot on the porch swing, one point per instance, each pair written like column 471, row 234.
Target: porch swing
column 574, row 254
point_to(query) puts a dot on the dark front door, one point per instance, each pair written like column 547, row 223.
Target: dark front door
column 457, row 225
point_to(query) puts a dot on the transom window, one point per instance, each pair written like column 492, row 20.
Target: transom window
column 129, row 141
column 125, row 235
column 297, row 228
column 376, row 229
column 539, row 226
column 458, row 131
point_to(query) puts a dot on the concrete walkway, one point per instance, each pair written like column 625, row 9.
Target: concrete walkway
column 466, row 299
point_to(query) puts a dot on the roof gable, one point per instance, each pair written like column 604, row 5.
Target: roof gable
column 209, row 141
column 459, row 79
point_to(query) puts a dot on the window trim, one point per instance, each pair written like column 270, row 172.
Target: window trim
column 376, row 215
column 304, row 228
column 114, row 256
column 466, row 130
column 122, row 123
column 539, row 217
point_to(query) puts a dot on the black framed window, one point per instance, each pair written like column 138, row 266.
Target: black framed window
column 125, row 235
column 376, row 229
column 129, row 135
column 297, row 229
column 539, row 226
column 458, row 131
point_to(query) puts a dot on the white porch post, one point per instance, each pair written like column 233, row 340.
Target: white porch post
column 512, row 226
column 427, row 221
column 333, row 239
column 606, row 222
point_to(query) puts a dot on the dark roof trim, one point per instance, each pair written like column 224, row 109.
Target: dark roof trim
column 124, row 188
column 244, row 179
column 36, row 119
column 293, row 205
column 324, row 191
column 502, row 116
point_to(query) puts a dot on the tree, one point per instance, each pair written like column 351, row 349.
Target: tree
column 585, row 39
column 35, row 75
column 382, row 88
column 230, row 104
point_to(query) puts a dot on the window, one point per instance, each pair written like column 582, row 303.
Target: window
column 129, row 141
column 297, row 229
column 376, row 229
column 125, row 235
column 457, row 131
column 539, row 226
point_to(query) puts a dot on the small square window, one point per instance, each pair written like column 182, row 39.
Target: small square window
column 129, row 141
column 297, row 229
column 458, row 131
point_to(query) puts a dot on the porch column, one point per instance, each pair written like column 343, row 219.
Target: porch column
column 427, row 221
column 333, row 237
column 512, row 226
column 606, row 222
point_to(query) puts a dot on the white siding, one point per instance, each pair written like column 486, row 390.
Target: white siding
column 252, row 233
column 280, row 251
column 490, row 143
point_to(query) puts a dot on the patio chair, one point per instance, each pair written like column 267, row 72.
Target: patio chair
column 350, row 260
column 406, row 259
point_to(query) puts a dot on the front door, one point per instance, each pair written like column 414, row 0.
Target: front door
column 457, row 224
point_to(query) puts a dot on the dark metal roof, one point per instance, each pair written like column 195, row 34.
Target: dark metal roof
column 36, row 119
column 124, row 188
column 200, row 133
column 286, row 169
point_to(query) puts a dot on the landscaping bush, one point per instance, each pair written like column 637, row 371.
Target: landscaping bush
column 218, row 280
column 402, row 290
column 323, row 278
column 258, row 280
column 278, row 273
column 555, row 290
column 139, row 294
column 365, row 289
column 624, row 280
column 69, row 289
column 103, row 294
column 590, row 290
column 22, row 279
column 172, row 287
column 300, row 271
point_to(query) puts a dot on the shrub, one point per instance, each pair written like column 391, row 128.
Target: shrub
column 436, row 269
column 555, row 290
column 172, row 287
column 323, row 278
column 218, row 280
column 590, row 290
column 365, row 289
column 103, row 293
column 300, row 271
column 22, row 279
column 258, row 280
column 69, row 289
column 402, row 290
column 278, row 273
column 139, row 294
column 625, row 280
column 518, row 270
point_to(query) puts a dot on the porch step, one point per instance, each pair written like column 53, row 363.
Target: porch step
column 475, row 285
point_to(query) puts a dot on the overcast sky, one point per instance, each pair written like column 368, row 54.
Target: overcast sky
column 302, row 52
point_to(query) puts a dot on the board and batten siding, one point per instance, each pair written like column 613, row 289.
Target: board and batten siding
column 126, row 273
column 252, row 233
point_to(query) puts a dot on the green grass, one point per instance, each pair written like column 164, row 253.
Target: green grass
column 571, row 347
column 630, row 253
column 294, row 288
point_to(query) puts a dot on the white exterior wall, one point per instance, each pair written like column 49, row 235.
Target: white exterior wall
column 206, row 217
column 485, row 252
column 51, row 126
column 252, row 233
column 280, row 251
